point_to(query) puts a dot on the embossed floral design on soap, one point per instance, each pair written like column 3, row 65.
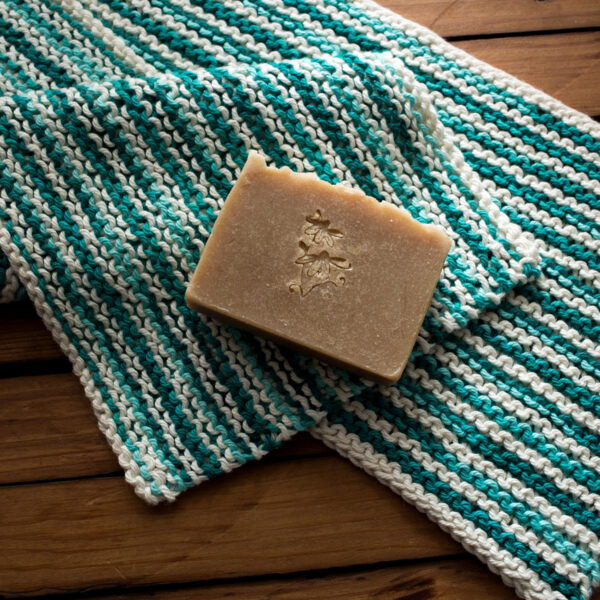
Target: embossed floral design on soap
column 322, row 268
column 319, row 266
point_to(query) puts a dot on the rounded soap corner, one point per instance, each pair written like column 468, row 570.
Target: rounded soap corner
column 190, row 300
column 392, row 377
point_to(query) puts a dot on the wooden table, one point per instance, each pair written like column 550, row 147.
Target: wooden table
column 303, row 524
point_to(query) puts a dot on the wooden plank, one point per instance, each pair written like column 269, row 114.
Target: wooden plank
column 443, row 579
column 478, row 17
column 23, row 336
column 300, row 446
column 281, row 517
column 565, row 66
column 48, row 431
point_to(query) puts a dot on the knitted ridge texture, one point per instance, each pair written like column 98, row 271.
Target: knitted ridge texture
column 123, row 126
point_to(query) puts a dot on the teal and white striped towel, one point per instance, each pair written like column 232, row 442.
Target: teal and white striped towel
column 123, row 127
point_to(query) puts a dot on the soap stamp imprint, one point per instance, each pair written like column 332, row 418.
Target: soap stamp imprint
column 318, row 262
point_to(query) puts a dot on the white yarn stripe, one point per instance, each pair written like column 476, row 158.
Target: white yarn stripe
column 505, row 138
column 558, row 326
column 23, row 63
column 79, row 41
column 159, row 472
column 78, row 272
column 469, row 492
column 257, row 389
column 546, row 352
column 513, row 570
column 114, row 43
column 499, row 78
column 445, row 141
column 531, row 210
column 10, row 286
column 273, row 120
column 564, row 523
column 245, row 39
column 187, row 395
column 150, row 40
column 311, row 29
column 580, row 269
column 312, row 128
column 40, row 43
column 291, row 40
column 569, row 298
column 518, row 409
column 506, row 439
column 194, row 112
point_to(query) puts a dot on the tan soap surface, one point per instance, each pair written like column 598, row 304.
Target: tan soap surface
column 322, row 268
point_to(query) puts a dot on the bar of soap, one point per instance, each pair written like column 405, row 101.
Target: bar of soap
column 319, row 267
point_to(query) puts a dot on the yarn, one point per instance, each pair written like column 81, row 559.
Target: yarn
column 123, row 126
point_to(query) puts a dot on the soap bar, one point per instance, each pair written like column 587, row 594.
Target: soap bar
column 322, row 268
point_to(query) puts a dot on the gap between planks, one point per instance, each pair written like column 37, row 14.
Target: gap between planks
column 436, row 579
column 54, row 434
column 482, row 17
column 280, row 517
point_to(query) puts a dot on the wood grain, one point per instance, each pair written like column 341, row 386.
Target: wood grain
column 478, row 17
column 48, row 431
column 566, row 66
column 23, row 336
column 283, row 517
column 445, row 579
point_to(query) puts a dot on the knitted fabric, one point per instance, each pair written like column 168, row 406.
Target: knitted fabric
column 124, row 125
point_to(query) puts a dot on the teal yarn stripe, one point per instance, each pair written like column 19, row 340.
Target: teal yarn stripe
column 181, row 45
column 251, row 116
column 489, row 449
column 189, row 135
column 529, row 166
column 454, row 501
column 294, row 127
column 93, row 274
column 512, row 349
column 412, row 44
column 16, row 76
column 522, row 512
column 94, row 41
column 151, row 249
column 416, row 161
column 150, row 306
column 58, row 41
column 88, row 319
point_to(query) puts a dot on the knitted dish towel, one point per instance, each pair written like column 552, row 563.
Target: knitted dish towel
column 122, row 133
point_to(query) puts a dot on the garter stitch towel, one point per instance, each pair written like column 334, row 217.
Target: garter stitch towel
column 122, row 127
